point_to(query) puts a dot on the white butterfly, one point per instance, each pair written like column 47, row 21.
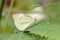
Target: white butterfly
column 23, row 21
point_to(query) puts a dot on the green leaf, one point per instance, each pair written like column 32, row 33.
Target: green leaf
column 21, row 36
column 49, row 27
column 16, row 36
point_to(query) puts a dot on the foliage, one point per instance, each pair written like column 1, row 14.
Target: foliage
column 48, row 29
column 21, row 36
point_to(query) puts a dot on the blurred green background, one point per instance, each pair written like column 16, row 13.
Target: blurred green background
column 7, row 26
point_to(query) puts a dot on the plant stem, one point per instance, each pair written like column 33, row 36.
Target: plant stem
column 8, row 18
column 1, row 7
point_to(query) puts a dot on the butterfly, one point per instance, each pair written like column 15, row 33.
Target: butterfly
column 23, row 21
